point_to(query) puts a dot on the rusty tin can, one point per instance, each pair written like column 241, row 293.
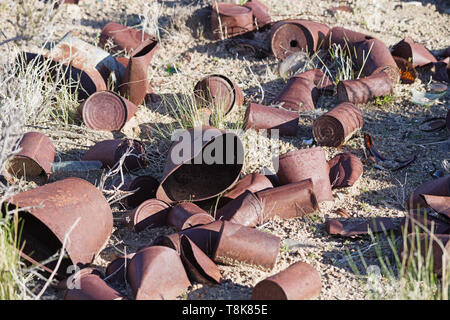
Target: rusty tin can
column 106, row 110
column 109, row 152
column 287, row 38
column 240, row 244
column 364, row 89
column 258, row 116
column 33, row 160
column 186, row 215
column 289, row 201
column 338, row 125
column 136, row 84
column 123, row 37
column 117, row 269
column 260, row 13
column 149, row 214
column 300, row 281
column 230, row 20
column 245, row 210
column 218, row 92
column 351, row 228
column 71, row 208
column 437, row 187
column 345, row 38
column 299, row 94
column 345, row 170
column 304, row 164
column 192, row 176
column 157, row 273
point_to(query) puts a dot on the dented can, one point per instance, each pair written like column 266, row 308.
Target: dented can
column 338, row 125
column 253, row 182
column 246, row 210
column 299, row 94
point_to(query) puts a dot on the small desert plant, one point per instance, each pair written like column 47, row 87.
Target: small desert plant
column 402, row 276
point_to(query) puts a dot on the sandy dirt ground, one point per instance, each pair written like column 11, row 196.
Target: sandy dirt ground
column 394, row 125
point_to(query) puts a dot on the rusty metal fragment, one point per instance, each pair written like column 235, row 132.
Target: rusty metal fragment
column 109, row 152
column 345, row 170
column 230, row 20
column 157, row 273
column 338, row 125
column 304, row 164
column 150, row 213
column 87, row 285
column 136, row 84
column 419, row 221
column 414, row 52
column 240, row 244
column 186, row 215
column 246, row 210
column 440, row 204
column 378, row 159
column 190, row 176
column 351, row 228
column 364, row 89
column 436, row 246
column 218, row 92
column 438, row 187
column 300, row 281
column 289, row 201
column 258, row 116
column 199, row 267
column 71, row 208
column 35, row 158
column 123, row 37
column 146, row 187
column 106, row 110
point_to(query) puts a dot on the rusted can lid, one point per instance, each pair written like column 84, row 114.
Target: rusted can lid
column 104, row 110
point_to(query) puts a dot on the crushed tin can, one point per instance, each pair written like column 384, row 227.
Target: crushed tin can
column 338, row 125
column 345, row 170
column 218, row 92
